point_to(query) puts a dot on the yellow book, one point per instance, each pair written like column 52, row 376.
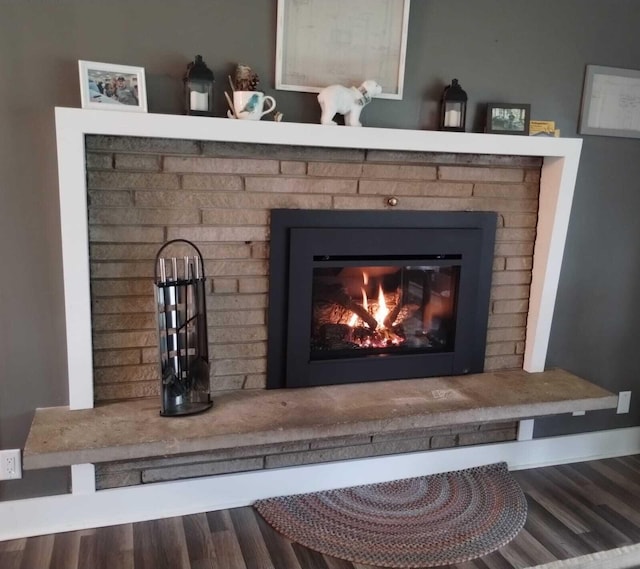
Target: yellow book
column 543, row 128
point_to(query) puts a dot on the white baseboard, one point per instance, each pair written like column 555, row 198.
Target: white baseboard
column 53, row 514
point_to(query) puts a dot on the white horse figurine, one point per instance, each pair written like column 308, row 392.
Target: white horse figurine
column 348, row 101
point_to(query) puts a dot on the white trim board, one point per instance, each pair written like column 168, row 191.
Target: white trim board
column 38, row 516
column 560, row 165
column 561, row 157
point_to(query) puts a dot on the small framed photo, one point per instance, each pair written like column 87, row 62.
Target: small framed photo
column 508, row 118
column 112, row 87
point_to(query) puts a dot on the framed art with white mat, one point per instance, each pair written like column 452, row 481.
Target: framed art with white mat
column 327, row 42
column 611, row 102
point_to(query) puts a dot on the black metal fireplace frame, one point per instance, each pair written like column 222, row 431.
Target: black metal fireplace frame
column 469, row 235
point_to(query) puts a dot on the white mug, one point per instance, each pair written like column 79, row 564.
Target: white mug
column 249, row 104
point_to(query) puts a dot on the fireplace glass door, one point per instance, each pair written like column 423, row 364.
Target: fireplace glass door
column 387, row 307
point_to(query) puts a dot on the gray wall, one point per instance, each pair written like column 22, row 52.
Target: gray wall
column 501, row 50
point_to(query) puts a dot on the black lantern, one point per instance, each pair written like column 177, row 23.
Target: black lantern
column 453, row 112
column 198, row 89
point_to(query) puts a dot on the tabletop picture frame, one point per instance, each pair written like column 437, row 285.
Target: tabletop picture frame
column 368, row 40
column 112, row 87
column 610, row 102
column 508, row 118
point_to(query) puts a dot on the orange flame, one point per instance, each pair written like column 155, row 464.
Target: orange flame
column 353, row 321
column 382, row 311
column 383, row 336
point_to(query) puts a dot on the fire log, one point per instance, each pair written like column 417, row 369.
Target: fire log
column 341, row 297
column 391, row 317
column 345, row 300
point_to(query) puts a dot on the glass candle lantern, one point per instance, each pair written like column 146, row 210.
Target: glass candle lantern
column 453, row 110
column 198, row 88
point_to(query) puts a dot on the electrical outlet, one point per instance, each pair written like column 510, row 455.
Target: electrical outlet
column 10, row 464
column 624, row 401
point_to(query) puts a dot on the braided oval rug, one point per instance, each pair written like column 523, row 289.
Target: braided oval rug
column 427, row 521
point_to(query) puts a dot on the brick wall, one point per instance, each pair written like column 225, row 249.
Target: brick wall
column 143, row 192
column 130, row 473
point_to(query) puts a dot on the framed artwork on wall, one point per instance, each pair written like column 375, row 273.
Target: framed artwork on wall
column 112, row 87
column 508, row 118
column 327, row 42
column 611, row 102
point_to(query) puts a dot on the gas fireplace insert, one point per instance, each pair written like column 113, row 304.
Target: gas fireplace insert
column 365, row 296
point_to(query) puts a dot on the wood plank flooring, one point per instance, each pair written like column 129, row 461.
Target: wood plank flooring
column 574, row 510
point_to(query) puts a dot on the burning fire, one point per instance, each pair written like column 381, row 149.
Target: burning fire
column 382, row 311
column 384, row 308
column 383, row 336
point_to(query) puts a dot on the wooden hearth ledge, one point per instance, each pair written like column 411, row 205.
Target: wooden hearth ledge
column 133, row 429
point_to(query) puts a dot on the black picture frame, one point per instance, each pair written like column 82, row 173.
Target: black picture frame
column 508, row 118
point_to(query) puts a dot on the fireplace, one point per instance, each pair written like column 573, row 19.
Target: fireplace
column 364, row 296
column 225, row 176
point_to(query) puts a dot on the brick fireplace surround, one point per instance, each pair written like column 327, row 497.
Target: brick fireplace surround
column 150, row 178
column 144, row 191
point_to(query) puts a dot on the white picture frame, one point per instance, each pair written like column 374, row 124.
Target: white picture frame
column 610, row 102
column 112, row 87
column 327, row 42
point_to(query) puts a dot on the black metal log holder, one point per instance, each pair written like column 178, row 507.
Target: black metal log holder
column 182, row 332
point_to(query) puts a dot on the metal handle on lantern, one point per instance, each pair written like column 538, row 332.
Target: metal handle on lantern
column 158, row 256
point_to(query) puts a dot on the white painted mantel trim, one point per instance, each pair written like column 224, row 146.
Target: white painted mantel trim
column 561, row 157
column 560, row 165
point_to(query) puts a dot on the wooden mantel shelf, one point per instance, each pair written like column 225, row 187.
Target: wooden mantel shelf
column 133, row 429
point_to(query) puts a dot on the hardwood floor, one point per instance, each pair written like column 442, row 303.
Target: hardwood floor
column 573, row 510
